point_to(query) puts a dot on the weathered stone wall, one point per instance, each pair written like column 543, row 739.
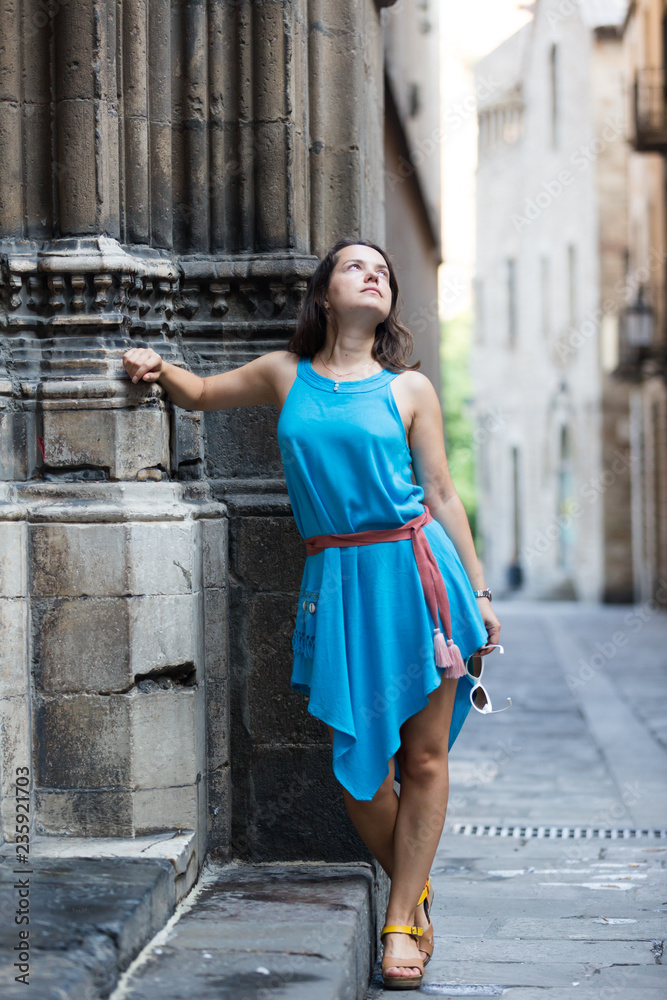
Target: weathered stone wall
column 612, row 170
column 413, row 141
column 169, row 172
column 410, row 240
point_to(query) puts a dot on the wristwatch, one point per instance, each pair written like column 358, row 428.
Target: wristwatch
column 483, row 593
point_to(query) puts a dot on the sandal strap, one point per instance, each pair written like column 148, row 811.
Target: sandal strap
column 426, row 891
column 414, row 931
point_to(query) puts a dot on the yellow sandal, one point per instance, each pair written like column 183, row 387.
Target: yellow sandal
column 401, row 982
column 426, row 942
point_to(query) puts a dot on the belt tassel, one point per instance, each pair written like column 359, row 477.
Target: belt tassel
column 448, row 656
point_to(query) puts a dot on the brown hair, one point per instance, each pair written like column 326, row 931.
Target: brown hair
column 393, row 342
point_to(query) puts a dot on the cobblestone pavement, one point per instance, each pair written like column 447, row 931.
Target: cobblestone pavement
column 551, row 876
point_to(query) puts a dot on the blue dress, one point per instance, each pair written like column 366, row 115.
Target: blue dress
column 363, row 642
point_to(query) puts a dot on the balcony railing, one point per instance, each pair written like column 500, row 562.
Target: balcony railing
column 500, row 124
column 650, row 111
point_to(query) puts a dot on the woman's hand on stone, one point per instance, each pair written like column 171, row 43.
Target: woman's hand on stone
column 142, row 363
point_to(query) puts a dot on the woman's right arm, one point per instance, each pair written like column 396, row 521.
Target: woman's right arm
column 248, row 385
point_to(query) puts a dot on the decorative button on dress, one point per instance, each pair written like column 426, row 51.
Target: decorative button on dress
column 363, row 643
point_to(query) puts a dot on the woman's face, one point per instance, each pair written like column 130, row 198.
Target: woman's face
column 359, row 287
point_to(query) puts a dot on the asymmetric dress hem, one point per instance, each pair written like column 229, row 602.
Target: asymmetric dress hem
column 363, row 640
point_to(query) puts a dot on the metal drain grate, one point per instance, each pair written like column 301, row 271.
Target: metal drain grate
column 556, row 832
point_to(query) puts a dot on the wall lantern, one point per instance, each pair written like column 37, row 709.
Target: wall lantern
column 639, row 322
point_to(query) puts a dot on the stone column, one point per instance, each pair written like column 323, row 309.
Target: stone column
column 85, row 167
column 160, row 119
column 174, row 189
column 11, row 200
column 113, row 587
column 346, row 98
column 280, row 133
column 135, row 119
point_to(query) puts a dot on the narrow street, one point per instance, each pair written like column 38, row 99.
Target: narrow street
column 550, row 880
column 583, row 747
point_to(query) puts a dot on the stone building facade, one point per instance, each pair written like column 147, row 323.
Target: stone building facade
column 413, row 138
column 642, row 350
column 169, row 174
column 552, row 420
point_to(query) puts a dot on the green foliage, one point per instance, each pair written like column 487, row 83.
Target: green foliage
column 455, row 341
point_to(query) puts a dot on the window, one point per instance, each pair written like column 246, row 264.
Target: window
column 479, row 310
column 414, row 100
column 565, row 501
column 516, row 506
column 545, row 296
column 511, row 301
column 572, row 284
column 553, row 89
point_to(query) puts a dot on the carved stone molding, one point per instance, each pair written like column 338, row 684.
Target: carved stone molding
column 73, row 306
column 88, row 283
column 244, row 299
column 68, row 311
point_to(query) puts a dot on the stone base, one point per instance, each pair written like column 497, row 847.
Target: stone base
column 114, row 697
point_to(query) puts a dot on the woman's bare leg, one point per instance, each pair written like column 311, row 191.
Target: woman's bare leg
column 374, row 821
column 423, row 760
column 403, row 834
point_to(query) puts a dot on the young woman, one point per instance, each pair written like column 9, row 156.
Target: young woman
column 393, row 600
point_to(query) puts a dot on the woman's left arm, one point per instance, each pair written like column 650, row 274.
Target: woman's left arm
column 429, row 463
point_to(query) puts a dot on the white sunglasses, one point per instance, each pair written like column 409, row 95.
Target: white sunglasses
column 479, row 696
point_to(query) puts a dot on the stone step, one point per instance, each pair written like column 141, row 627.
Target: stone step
column 297, row 930
column 130, row 919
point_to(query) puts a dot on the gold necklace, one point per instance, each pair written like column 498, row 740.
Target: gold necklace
column 343, row 374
